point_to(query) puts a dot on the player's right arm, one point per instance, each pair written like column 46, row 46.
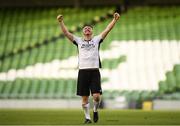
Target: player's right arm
column 64, row 28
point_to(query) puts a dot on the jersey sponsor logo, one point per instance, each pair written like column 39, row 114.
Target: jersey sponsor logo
column 87, row 46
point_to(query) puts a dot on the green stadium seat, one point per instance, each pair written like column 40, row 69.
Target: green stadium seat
column 16, row 87
column 68, row 90
column 7, row 90
column 171, row 81
column 42, row 88
column 51, row 89
column 163, row 87
column 134, row 95
column 145, row 95
column 34, row 88
column 176, row 71
column 60, row 87
column 2, row 85
column 24, row 92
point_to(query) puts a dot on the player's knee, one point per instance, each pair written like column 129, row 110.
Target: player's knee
column 96, row 97
column 84, row 101
column 84, row 105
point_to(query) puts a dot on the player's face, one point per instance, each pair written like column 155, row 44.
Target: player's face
column 87, row 30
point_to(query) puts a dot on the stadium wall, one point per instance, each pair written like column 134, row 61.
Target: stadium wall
column 166, row 104
column 40, row 103
column 118, row 103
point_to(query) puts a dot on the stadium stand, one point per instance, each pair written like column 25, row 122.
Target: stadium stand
column 37, row 62
column 169, row 88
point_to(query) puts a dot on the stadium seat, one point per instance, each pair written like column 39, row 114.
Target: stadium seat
column 163, row 87
column 171, row 81
column 176, row 71
column 15, row 89
column 6, row 90
column 51, row 89
column 24, row 92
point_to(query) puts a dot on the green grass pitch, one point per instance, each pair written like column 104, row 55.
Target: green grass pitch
column 75, row 117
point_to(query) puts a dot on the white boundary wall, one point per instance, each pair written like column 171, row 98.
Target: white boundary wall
column 76, row 104
column 118, row 103
column 166, row 104
column 40, row 103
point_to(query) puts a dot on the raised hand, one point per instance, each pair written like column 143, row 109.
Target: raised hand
column 59, row 18
column 116, row 16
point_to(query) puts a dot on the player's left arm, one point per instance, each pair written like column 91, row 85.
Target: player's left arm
column 116, row 16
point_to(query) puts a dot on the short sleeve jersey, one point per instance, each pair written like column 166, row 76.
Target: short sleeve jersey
column 88, row 52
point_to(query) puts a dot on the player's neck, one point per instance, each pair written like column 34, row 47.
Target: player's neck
column 87, row 37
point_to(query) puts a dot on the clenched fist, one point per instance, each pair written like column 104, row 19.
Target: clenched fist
column 59, row 18
column 116, row 16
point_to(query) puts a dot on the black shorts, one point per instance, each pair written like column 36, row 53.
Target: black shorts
column 88, row 80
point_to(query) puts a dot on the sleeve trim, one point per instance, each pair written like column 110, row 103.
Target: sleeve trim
column 75, row 43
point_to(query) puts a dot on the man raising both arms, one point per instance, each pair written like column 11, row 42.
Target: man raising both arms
column 89, row 78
